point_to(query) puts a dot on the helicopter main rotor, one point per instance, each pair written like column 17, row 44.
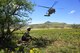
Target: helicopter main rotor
column 49, row 7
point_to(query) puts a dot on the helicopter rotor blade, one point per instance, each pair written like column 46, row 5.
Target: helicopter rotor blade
column 43, row 6
column 59, row 8
column 54, row 3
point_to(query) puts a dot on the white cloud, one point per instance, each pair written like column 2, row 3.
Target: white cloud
column 72, row 12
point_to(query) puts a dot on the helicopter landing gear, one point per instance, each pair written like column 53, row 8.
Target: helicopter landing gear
column 47, row 15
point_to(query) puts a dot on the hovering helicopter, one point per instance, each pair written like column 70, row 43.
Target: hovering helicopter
column 51, row 10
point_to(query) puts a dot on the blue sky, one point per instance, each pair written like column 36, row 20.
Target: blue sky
column 70, row 12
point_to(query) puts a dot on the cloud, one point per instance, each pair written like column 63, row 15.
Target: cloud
column 72, row 12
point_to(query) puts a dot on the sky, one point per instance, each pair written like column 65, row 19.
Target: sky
column 67, row 11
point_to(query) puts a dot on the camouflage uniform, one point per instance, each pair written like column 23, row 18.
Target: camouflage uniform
column 26, row 36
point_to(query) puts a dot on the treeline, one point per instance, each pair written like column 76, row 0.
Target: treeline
column 49, row 24
column 75, row 26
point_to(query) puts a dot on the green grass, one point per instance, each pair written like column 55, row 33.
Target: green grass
column 62, row 40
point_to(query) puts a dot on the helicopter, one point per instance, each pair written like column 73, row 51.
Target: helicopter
column 51, row 10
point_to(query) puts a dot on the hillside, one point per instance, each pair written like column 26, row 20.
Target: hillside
column 49, row 24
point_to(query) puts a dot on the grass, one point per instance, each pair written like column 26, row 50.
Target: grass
column 62, row 40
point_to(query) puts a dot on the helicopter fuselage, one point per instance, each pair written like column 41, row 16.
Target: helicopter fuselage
column 51, row 10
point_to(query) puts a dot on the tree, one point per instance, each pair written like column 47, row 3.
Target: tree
column 12, row 14
column 75, row 26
